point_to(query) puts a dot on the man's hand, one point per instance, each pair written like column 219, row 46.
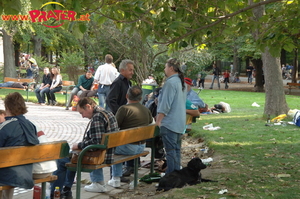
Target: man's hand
column 75, row 146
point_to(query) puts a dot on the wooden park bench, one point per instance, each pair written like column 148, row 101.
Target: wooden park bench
column 295, row 85
column 67, row 87
column 20, row 155
column 30, row 82
column 111, row 140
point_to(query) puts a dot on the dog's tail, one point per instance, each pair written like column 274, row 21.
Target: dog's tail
column 207, row 180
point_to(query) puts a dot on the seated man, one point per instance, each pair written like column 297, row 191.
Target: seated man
column 133, row 114
column 44, row 87
column 97, row 126
column 84, row 83
column 192, row 95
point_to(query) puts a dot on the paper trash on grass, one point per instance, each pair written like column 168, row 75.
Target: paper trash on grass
column 223, row 191
column 207, row 160
column 210, row 127
column 255, row 104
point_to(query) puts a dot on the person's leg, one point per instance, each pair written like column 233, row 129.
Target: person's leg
column 218, row 80
column 128, row 149
column 91, row 93
column 203, row 80
column 57, row 89
column 212, row 81
column 73, row 92
column 42, row 94
column 38, row 95
column 98, row 185
column 101, row 95
column 170, row 140
column 61, row 174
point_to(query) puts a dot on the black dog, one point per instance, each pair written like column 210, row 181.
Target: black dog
column 188, row 175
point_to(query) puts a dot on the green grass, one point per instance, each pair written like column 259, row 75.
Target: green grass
column 252, row 154
column 60, row 98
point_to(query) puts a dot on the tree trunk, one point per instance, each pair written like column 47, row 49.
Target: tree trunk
column 295, row 66
column 37, row 42
column 259, row 76
column 9, row 61
column 275, row 103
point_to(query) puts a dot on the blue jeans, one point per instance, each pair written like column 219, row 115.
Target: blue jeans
column 127, row 149
column 65, row 177
column 102, row 93
column 50, row 94
column 172, row 146
column 213, row 79
column 6, row 84
column 40, row 94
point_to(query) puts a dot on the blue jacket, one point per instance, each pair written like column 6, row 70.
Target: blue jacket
column 171, row 102
column 17, row 131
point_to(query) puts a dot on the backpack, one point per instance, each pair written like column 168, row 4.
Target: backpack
column 296, row 118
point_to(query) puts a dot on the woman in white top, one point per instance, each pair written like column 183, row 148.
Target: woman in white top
column 56, row 86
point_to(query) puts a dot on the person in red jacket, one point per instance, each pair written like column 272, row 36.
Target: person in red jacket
column 226, row 75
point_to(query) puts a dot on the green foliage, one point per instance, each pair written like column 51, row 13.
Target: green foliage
column 72, row 64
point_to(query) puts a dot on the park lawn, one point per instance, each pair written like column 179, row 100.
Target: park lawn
column 257, row 161
column 60, row 98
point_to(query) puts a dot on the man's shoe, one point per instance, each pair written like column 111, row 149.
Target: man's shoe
column 66, row 194
column 128, row 171
column 67, row 108
column 123, row 179
column 54, row 103
column 95, row 187
column 114, row 183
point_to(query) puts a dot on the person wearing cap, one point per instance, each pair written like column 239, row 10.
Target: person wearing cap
column 171, row 113
column 192, row 95
column 31, row 68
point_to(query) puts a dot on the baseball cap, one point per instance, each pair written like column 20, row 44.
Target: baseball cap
column 188, row 81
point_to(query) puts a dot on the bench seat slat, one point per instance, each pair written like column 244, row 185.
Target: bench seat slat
column 128, row 136
column 117, row 159
column 36, row 181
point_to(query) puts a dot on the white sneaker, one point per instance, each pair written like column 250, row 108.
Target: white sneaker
column 95, row 187
column 114, row 183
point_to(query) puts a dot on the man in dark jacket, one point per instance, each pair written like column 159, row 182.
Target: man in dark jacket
column 117, row 93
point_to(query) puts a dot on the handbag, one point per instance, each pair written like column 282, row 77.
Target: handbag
column 90, row 157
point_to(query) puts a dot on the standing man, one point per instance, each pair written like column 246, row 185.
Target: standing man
column 44, row 87
column 216, row 73
column 117, row 93
column 84, row 83
column 171, row 113
column 249, row 73
column 105, row 75
column 133, row 114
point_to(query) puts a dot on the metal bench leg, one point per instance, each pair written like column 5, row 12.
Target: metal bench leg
column 43, row 189
column 136, row 165
column 152, row 155
column 78, row 180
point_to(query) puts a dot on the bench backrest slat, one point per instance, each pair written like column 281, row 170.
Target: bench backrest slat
column 8, row 79
column 68, row 83
column 127, row 136
column 19, row 155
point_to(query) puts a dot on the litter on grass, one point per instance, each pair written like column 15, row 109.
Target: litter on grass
column 210, row 127
column 255, row 104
